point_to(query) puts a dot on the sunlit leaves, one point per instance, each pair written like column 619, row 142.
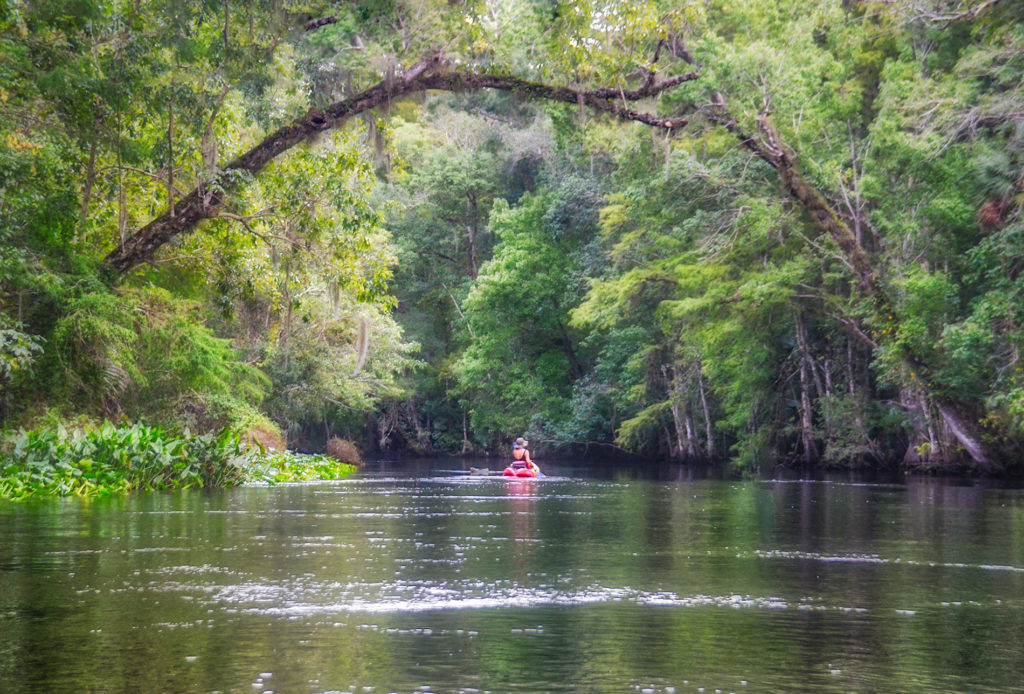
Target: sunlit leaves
column 144, row 351
column 18, row 350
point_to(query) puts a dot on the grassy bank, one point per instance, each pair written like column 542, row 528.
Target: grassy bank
column 115, row 459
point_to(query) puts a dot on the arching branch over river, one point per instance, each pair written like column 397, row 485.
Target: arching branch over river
column 204, row 201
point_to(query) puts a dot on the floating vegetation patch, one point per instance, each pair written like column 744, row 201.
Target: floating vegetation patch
column 116, row 459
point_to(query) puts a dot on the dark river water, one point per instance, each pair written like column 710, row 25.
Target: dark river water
column 424, row 579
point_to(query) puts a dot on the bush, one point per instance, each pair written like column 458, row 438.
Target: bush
column 218, row 412
column 343, row 451
column 143, row 353
column 110, row 459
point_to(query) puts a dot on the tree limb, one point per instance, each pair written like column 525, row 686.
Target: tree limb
column 430, row 73
column 946, row 19
column 774, row 151
column 771, row 149
column 323, row 21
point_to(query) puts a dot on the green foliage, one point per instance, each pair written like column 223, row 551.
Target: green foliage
column 711, row 285
column 114, row 459
column 290, row 467
column 560, row 271
column 455, row 156
column 144, row 352
column 316, row 374
column 927, row 299
column 18, row 350
column 519, row 366
column 111, row 460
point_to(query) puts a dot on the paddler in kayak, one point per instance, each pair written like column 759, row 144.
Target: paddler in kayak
column 522, row 465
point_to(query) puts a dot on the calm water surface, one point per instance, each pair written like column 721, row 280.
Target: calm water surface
column 427, row 580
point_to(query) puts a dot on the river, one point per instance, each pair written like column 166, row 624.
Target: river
column 419, row 578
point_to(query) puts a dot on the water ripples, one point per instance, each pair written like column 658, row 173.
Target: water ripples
column 461, row 584
column 312, row 598
column 876, row 559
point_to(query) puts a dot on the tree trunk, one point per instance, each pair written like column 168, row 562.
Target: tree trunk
column 471, row 220
column 678, row 450
column 709, row 432
column 385, row 426
column 286, row 332
column 692, row 444
column 670, row 447
column 829, row 389
column 921, row 442
column 974, row 447
column 122, row 203
column 687, row 446
column 810, row 446
column 935, row 448
column 422, row 437
column 851, row 384
column 227, row 24
column 170, row 152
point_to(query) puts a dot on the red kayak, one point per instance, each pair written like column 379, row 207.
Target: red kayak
column 519, row 469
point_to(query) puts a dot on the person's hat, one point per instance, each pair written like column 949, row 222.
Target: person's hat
column 522, row 443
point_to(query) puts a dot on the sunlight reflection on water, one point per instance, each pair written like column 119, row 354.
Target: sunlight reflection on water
column 454, row 583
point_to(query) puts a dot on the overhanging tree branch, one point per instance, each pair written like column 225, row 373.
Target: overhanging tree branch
column 772, row 150
column 204, row 201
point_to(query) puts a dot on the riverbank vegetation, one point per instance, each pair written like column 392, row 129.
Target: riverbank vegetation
column 754, row 232
column 108, row 459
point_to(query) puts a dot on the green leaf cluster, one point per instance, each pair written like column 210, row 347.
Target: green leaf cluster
column 111, row 459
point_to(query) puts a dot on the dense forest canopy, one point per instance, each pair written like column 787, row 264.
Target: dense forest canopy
column 733, row 230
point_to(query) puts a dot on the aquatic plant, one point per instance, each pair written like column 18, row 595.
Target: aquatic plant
column 114, row 459
column 293, row 467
